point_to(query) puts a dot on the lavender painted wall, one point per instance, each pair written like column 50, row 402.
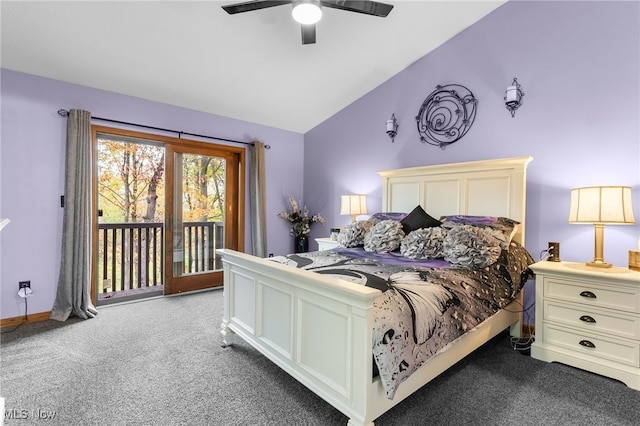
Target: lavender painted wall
column 32, row 173
column 579, row 65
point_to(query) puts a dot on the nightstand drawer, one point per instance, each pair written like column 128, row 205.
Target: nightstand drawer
column 619, row 351
column 619, row 298
column 592, row 319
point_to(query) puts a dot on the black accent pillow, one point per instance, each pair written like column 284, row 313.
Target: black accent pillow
column 418, row 219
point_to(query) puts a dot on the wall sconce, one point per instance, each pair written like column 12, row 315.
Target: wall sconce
column 513, row 97
column 392, row 127
column 353, row 204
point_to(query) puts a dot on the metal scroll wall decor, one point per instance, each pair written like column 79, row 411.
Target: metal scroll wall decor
column 446, row 115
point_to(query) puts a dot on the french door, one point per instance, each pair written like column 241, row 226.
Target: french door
column 163, row 208
column 202, row 206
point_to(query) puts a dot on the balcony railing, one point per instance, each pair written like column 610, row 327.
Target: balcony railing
column 130, row 255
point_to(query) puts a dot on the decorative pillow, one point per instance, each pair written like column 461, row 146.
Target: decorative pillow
column 380, row 216
column 507, row 226
column 425, row 243
column 353, row 234
column 418, row 219
column 384, row 236
column 468, row 245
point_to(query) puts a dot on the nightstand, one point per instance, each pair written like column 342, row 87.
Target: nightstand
column 326, row 243
column 589, row 318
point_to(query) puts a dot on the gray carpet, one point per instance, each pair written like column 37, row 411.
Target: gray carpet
column 159, row 362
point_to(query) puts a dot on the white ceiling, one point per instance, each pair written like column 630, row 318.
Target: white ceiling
column 250, row 66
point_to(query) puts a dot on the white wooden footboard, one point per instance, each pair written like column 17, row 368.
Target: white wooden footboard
column 319, row 330
column 316, row 328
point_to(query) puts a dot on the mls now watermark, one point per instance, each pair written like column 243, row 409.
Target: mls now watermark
column 24, row 414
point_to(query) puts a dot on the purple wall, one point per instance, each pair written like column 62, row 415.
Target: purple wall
column 579, row 66
column 32, row 173
column 578, row 63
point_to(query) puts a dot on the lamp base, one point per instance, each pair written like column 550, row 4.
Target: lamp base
column 598, row 264
column 598, row 256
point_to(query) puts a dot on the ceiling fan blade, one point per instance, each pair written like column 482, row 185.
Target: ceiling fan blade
column 248, row 6
column 374, row 8
column 308, row 34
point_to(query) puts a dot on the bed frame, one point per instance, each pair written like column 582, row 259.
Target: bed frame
column 319, row 328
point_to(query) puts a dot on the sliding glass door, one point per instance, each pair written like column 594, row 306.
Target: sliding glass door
column 163, row 208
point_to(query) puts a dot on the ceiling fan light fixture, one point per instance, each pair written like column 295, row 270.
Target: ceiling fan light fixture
column 306, row 12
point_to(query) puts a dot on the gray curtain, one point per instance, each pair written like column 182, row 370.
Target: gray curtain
column 74, row 282
column 258, row 199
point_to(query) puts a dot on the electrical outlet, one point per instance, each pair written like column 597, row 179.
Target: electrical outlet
column 24, row 284
column 554, row 252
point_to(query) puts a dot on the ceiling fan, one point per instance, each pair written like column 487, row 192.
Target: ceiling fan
column 308, row 12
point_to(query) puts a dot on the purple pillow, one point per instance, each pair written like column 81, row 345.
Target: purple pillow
column 380, row 216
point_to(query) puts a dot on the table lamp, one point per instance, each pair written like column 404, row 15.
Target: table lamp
column 600, row 205
column 353, row 204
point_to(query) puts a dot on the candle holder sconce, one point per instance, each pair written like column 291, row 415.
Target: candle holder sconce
column 392, row 127
column 513, row 97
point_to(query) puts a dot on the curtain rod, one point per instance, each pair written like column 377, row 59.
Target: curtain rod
column 65, row 113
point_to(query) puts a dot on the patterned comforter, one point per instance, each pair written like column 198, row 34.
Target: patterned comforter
column 425, row 305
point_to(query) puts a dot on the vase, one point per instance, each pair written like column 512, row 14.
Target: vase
column 301, row 244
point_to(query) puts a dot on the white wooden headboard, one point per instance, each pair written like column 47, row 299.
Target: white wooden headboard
column 487, row 188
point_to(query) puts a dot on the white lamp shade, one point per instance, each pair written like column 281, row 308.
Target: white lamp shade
column 353, row 204
column 601, row 204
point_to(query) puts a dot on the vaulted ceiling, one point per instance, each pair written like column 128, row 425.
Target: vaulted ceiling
column 250, row 66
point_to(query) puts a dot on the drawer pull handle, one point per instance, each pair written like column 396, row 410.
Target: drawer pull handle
column 588, row 294
column 587, row 344
column 587, row 318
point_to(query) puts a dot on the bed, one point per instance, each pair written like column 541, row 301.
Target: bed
column 320, row 329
